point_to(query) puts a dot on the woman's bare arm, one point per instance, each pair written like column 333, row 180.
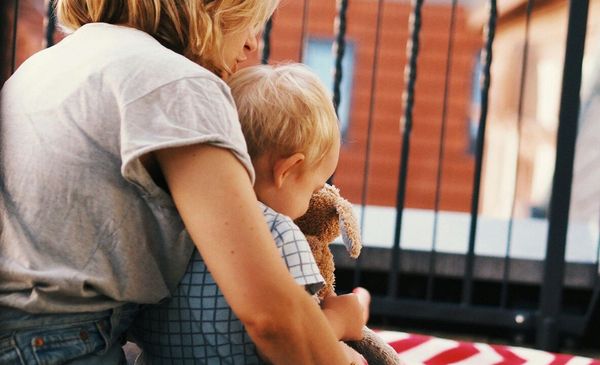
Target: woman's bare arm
column 214, row 196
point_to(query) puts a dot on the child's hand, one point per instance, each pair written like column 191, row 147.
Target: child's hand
column 346, row 316
column 364, row 297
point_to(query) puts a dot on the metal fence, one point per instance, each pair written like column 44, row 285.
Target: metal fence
column 544, row 315
column 435, row 287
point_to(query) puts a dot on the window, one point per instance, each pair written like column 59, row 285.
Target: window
column 318, row 55
column 475, row 111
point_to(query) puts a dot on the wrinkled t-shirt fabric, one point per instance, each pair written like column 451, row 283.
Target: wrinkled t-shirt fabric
column 83, row 227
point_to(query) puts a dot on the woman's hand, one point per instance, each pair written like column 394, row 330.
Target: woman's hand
column 346, row 316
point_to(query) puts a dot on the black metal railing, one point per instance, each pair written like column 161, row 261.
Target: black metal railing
column 486, row 57
column 554, row 266
column 412, row 49
column 547, row 318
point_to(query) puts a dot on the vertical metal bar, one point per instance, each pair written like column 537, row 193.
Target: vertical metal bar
column 594, row 306
column 441, row 152
column 13, row 65
column 410, row 73
column 50, row 21
column 593, row 310
column 597, row 278
column 7, row 46
column 339, row 48
column 375, row 67
column 554, row 265
column 266, row 42
column 486, row 57
column 524, row 60
column 305, row 12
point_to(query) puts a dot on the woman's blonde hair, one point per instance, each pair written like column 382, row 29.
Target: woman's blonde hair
column 193, row 28
column 284, row 109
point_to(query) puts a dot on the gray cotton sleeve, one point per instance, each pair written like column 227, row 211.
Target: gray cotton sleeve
column 183, row 112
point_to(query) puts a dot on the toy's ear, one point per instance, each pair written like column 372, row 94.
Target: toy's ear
column 348, row 225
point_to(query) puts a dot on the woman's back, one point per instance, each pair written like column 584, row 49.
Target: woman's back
column 75, row 120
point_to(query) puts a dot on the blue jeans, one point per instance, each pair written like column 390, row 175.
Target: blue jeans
column 74, row 339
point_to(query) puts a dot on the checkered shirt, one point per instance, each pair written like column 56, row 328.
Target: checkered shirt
column 197, row 326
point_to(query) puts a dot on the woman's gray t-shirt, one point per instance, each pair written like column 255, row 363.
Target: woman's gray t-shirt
column 83, row 227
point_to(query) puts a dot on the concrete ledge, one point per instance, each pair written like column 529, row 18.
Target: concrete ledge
column 522, row 271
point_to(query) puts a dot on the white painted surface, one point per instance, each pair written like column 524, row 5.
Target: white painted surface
column 527, row 241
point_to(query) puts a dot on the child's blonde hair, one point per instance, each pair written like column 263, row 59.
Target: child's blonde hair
column 193, row 28
column 284, row 109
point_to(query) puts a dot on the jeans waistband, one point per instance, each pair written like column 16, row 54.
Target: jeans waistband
column 15, row 319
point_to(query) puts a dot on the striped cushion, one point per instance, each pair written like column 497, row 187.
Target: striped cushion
column 416, row 349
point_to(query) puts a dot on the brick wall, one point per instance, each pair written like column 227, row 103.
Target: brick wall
column 386, row 136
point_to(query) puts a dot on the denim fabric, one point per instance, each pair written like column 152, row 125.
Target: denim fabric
column 74, row 339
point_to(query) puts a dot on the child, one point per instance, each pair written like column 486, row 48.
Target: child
column 293, row 140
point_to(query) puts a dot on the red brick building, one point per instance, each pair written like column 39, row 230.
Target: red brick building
column 381, row 176
column 386, row 134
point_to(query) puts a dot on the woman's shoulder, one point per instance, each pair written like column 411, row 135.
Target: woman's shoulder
column 163, row 66
column 136, row 61
column 168, row 70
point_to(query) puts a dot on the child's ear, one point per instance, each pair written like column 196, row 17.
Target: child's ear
column 286, row 166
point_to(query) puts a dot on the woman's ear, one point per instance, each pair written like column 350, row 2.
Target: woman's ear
column 287, row 166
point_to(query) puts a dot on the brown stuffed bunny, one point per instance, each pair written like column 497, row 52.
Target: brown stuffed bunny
column 327, row 215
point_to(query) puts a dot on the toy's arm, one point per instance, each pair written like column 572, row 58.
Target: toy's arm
column 375, row 350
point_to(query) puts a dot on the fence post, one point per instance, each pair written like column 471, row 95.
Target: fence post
column 8, row 22
column 408, row 99
column 551, row 292
column 486, row 77
column 266, row 42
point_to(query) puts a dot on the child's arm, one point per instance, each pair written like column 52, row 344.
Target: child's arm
column 214, row 197
column 345, row 316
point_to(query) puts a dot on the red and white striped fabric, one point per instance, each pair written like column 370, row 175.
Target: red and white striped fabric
column 426, row 350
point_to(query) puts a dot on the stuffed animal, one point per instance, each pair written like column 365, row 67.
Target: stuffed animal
column 327, row 215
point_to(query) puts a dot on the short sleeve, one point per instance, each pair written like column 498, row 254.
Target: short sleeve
column 294, row 250
column 183, row 112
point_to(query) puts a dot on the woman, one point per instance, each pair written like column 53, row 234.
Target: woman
column 114, row 140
